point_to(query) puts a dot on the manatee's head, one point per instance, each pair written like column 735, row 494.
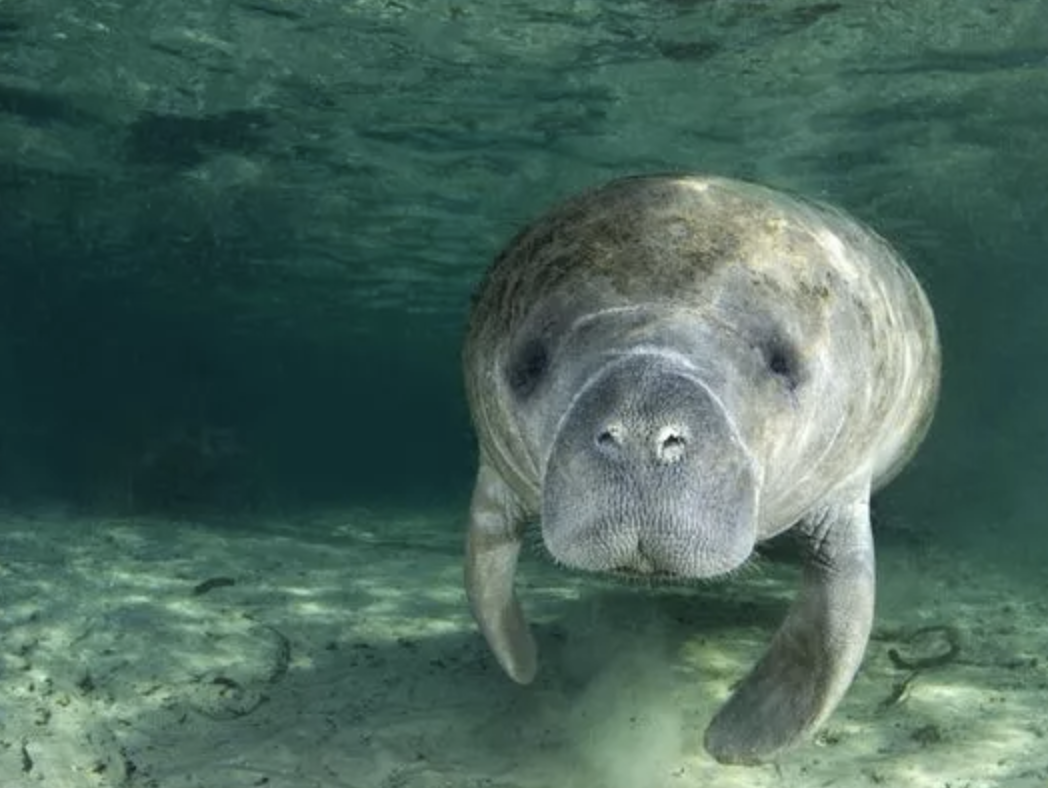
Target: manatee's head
column 623, row 352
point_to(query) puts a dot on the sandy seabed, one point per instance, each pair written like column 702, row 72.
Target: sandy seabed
column 335, row 650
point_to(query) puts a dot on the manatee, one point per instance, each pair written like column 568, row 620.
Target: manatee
column 666, row 371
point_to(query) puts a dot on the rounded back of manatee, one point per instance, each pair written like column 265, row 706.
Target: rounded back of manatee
column 668, row 370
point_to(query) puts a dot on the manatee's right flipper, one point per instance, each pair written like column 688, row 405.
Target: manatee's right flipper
column 492, row 547
column 813, row 657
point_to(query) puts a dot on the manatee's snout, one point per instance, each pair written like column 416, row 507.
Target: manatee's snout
column 647, row 474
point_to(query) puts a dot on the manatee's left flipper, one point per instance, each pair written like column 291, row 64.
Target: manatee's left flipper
column 814, row 656
column 496, row 519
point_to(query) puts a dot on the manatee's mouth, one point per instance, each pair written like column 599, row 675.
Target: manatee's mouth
column 627, row 576
column 624, row 574
column 632, row 573
column 640, row 566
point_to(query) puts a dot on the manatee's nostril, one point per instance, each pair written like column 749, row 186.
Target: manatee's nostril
column 610, row 438
column 672, row 443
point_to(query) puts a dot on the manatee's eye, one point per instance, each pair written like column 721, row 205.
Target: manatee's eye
column 778, row 363
column 527, row 367
column 784, row 362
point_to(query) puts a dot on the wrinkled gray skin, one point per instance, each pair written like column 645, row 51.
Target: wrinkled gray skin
column 668, row 370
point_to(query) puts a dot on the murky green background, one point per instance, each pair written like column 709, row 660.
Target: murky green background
column 237, row 239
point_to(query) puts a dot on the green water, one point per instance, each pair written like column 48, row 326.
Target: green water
column 267, row 220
